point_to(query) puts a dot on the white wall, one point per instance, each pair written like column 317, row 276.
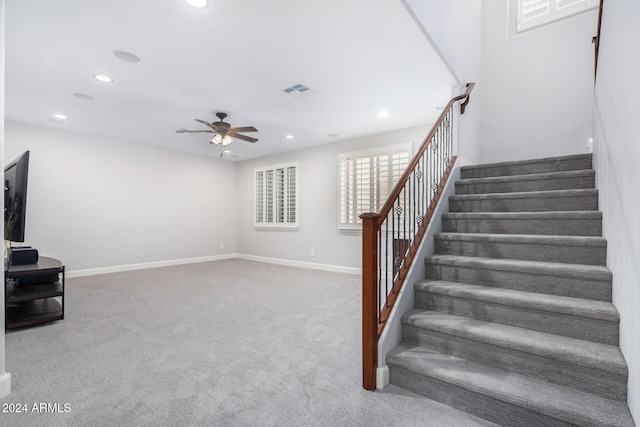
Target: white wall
column 537, row 86
column 5, row 378
column 96, row 202
column 318, row 211
column 454, row 28
column 616, row 157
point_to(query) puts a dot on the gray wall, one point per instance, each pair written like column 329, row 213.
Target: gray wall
column 616, row 155
column 5, row 378
column 537, row 86
column 454, row 27
column 318, row 209
column 96, row 202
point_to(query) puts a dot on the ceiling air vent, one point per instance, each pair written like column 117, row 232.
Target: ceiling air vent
column 298, row 91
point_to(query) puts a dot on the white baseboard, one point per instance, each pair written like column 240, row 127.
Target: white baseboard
column 301, row 264
column 382, row 377
column 5, row 385
column 155, row 264
column 142, row 266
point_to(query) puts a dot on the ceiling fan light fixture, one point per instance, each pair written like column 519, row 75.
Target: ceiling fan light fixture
column 226, row 140
column 219, row 139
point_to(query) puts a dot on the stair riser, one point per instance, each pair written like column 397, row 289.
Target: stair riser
column 540, row 282
column 555, row 323
column 528, row 168
column 526, row 185
column 555, row 227
column 590, row 255
column 581, row 378
column 534, row 203
column 489, row 408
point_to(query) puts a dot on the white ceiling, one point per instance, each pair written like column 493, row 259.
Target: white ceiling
column 235, row 56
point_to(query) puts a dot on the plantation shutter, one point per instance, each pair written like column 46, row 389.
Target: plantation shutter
column 365, row 181
column 347, row 191
column 291, row 194
column 276, row 197
column 532, row 9
column 532, row 13
column 269, row 196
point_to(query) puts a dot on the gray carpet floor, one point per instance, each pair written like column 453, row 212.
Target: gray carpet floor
column 225, row 343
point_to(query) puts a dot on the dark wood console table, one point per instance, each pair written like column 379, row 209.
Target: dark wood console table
column 34, row 293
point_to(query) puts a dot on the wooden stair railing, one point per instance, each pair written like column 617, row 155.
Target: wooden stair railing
column 596, row 40
column 391, row 237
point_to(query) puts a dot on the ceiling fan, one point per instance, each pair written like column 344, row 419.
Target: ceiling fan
column 223, row 132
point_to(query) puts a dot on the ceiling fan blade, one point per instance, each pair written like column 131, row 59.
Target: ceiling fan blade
column 192, row 131
column 244, row 129
column 211, row 125
column 242, row 137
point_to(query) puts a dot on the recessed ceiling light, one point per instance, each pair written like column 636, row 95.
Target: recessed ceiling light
column 60, row 116
column 289, row 136
column 102, row 78
column 227, row 151
column 83, row 96
column 126, row 56
column 199, row 4
column 382, row 114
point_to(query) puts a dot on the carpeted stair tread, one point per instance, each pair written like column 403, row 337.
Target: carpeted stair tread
column 559, row 269
column 570, row 280
column 529, row 177
column 565, row 215
column 577, row 241
column 604, row 357
column 599, row 310
column 523, row 167
column 530, row 182
column 568, row 223
column 526, row 201
column 582, row 192
column 510, row 397
column 587, row 250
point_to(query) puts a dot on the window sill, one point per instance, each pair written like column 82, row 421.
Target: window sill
column 277, row 227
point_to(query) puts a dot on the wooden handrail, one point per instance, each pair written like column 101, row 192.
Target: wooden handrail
column 386, row 208
column 596, row 40
column 404, row 241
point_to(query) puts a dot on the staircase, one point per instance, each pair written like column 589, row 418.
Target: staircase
column 514, row 322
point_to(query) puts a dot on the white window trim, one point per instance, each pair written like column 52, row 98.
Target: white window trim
column 277, row 225
column 389, row 149
column 557, row 10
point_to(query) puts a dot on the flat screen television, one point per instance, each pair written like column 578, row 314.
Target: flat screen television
column 15, row 198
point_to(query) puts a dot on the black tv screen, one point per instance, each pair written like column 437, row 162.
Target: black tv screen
column 15, row 198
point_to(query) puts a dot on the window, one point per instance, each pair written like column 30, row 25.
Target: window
column 365, row 180
column 276, row 196
column 533, row 13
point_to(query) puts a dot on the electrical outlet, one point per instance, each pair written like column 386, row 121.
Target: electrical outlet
column 221, row 245
column 313, row 252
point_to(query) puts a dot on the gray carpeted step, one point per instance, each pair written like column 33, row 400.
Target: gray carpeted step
column 591, row 367
column 571, row 280
column 532, row 182
column 563, row 249
column 570, row 223
column 572, row 317
column 533, row 201
column 523, row 167
column 496, row 395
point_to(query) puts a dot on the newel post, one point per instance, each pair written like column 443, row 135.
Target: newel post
column 369, row 299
